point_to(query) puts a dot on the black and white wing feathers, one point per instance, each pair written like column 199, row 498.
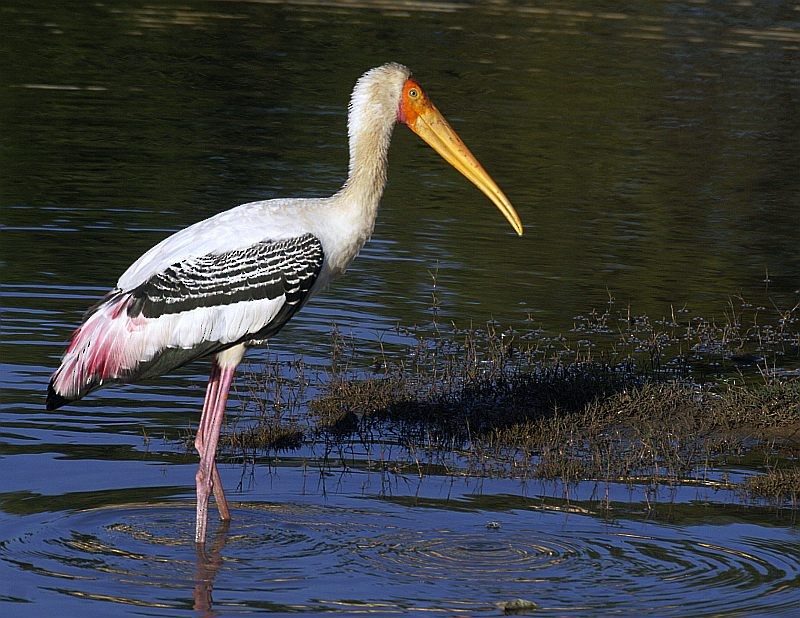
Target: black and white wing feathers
column 194, row 307
column 265, row 270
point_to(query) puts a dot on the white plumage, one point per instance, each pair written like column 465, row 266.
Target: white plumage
column 234, row 279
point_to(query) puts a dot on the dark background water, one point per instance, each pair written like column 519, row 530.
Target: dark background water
column 651, row 148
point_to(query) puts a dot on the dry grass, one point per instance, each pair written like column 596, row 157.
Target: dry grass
column 627, row 399
column 778, row 486
column 655, row 432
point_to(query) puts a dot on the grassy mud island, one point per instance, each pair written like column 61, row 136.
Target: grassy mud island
column 620, row 398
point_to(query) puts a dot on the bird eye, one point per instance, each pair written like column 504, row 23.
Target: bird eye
column 413, row 93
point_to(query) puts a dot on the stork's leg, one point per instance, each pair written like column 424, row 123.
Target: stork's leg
column 223, row 368
column 219, row 494
column 212, row 392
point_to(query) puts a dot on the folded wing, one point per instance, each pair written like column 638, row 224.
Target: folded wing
column 189, row 309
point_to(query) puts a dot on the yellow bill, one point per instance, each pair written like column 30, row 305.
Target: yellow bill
column 422, row 117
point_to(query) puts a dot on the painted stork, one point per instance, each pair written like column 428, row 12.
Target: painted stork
column 233, row 280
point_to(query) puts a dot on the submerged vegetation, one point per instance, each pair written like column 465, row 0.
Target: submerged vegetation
column 621, row 398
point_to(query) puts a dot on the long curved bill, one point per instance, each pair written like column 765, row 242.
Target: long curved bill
column 422, row 117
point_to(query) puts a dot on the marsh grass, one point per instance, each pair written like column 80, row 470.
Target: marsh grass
column 780, row 486
column 270, row 418
column 621, row 398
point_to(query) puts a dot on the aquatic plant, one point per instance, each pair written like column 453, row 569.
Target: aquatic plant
column 621, row 398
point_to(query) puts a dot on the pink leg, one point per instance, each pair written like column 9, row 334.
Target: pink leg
column 212, row 392
column 219, row 495
column 206, row 444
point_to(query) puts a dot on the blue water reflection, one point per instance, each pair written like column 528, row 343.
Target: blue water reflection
column 652, row 150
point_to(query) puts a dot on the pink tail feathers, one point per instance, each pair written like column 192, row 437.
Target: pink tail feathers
column 96, row 355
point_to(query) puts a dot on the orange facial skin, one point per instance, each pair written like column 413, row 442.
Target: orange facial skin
column 421, row 116
column 412, row 101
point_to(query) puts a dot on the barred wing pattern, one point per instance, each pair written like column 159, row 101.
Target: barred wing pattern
column 264, row 270
column 190, row 309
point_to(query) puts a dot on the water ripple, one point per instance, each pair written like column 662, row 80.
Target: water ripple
column 595, row 571
column 301, row 557
column 465, row 557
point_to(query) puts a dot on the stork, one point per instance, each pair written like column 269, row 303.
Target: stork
column 233, row 280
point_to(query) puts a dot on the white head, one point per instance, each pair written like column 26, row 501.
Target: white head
column 375, row 101
column 387, row 94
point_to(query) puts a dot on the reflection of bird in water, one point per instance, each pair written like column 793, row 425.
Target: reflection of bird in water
column 233, row 280
column 208, row 562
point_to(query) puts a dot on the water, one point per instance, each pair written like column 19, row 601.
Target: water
column 446, row 552
column 652, row 151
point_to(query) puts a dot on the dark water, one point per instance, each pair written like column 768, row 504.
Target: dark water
column 652, row 150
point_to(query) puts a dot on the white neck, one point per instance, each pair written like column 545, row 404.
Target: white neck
column 369, row 139
column 366, row 178
column 371, row 120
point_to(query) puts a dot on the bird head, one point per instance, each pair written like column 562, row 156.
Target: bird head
column 420, row 115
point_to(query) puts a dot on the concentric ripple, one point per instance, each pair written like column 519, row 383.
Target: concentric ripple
column 389, row 559
column 588, row 570
column 146, row 556
column 464, row 557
